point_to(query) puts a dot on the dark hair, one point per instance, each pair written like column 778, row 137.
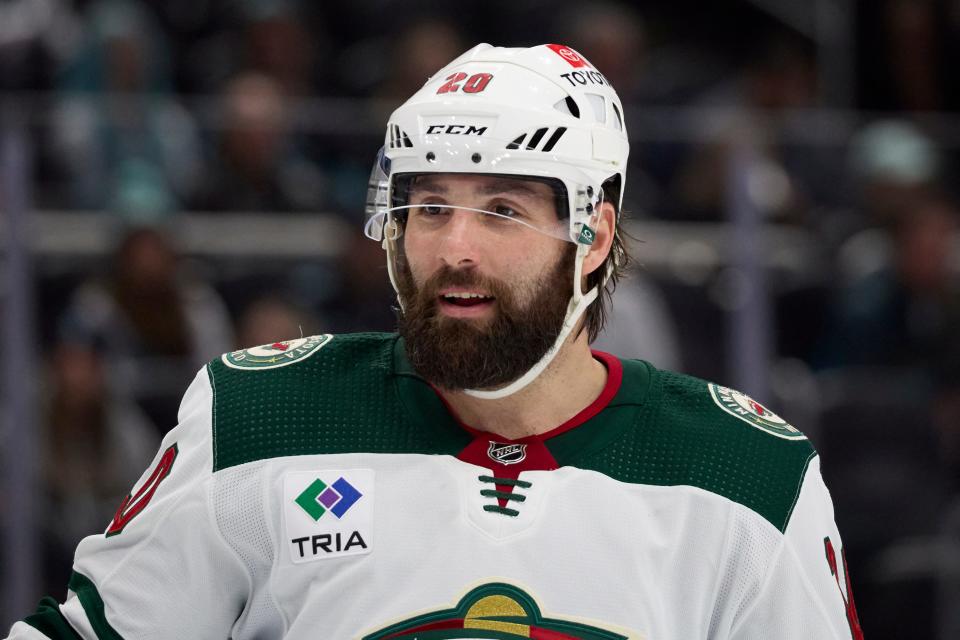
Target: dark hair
column 616, row 263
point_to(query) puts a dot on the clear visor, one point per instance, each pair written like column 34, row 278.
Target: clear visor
column 504, row 202
column 378, row 197
column 500, row 204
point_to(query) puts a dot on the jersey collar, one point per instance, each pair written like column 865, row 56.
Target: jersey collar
column 616, row 407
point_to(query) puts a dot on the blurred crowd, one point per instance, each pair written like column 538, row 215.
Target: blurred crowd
column 147, row 109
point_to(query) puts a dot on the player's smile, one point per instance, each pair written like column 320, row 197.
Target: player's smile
column 464, row 303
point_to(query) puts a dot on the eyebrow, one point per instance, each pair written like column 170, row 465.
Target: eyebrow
column 502, row 185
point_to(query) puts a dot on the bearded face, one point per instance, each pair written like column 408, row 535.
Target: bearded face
column 483, row 353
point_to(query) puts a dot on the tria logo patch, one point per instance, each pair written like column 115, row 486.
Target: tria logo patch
column 278, row 354
column 319, row 497
column 742, row 406
column 507, row 453
column 496, row 610
column 328, row 513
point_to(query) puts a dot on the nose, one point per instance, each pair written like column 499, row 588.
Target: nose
column 460, row 242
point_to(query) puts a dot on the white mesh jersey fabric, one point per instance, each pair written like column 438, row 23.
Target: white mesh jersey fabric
column 238, row 504
column 750, row 547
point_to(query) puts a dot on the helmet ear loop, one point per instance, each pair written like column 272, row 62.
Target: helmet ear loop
column 584, row 247
column 578, row 292
column 391, row 234
column 610, row 266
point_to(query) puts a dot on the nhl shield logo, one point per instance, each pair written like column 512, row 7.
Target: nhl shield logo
column 507, row 453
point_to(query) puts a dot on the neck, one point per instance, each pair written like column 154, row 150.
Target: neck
column 572, row 382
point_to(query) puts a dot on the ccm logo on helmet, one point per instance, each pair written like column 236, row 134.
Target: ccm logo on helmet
column 464, row 129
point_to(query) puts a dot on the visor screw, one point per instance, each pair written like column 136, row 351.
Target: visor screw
column 431, row 156
column 589, row 192
column 476, row 158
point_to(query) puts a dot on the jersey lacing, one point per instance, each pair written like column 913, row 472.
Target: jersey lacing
column 503, row 495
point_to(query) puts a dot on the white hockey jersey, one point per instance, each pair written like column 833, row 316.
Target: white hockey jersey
column 318, row 489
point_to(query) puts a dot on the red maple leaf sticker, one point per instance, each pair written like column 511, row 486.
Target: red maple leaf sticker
column 280, row 346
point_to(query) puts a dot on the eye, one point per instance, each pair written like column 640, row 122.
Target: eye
column 432, row 209
column 505, row 211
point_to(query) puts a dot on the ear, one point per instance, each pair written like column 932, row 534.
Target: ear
column 606, row 224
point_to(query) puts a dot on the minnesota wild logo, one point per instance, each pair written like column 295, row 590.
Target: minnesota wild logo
column 278, row 354
column 497, row 610
column 742, row 406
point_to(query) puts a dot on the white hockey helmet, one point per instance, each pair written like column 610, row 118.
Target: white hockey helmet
column 542, row 112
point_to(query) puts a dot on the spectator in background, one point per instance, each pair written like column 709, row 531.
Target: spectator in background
column 277, row 44
column 258, row 164
column 751, row 109
column 890, row 401
column 271, row 318
column 422, row 49
column 154, row 324
column 95, row 445
column 906, row 313
column 893, row 164
column 124, row 141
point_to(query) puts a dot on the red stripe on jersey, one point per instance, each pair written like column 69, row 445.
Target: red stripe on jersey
column 856, row 632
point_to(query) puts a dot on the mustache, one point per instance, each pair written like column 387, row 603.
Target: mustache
column 447, row 276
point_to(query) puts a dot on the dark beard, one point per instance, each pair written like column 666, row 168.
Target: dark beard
column 458, row 354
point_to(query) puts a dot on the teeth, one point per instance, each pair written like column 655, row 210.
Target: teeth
column 464, row 295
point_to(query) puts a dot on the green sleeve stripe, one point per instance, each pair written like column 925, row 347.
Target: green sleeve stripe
column 93, row 606
column 213, row 412
column 50, row 622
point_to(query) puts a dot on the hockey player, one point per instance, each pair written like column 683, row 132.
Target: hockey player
column 482, row 474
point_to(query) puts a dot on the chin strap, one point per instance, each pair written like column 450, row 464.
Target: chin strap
column 575, row 309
